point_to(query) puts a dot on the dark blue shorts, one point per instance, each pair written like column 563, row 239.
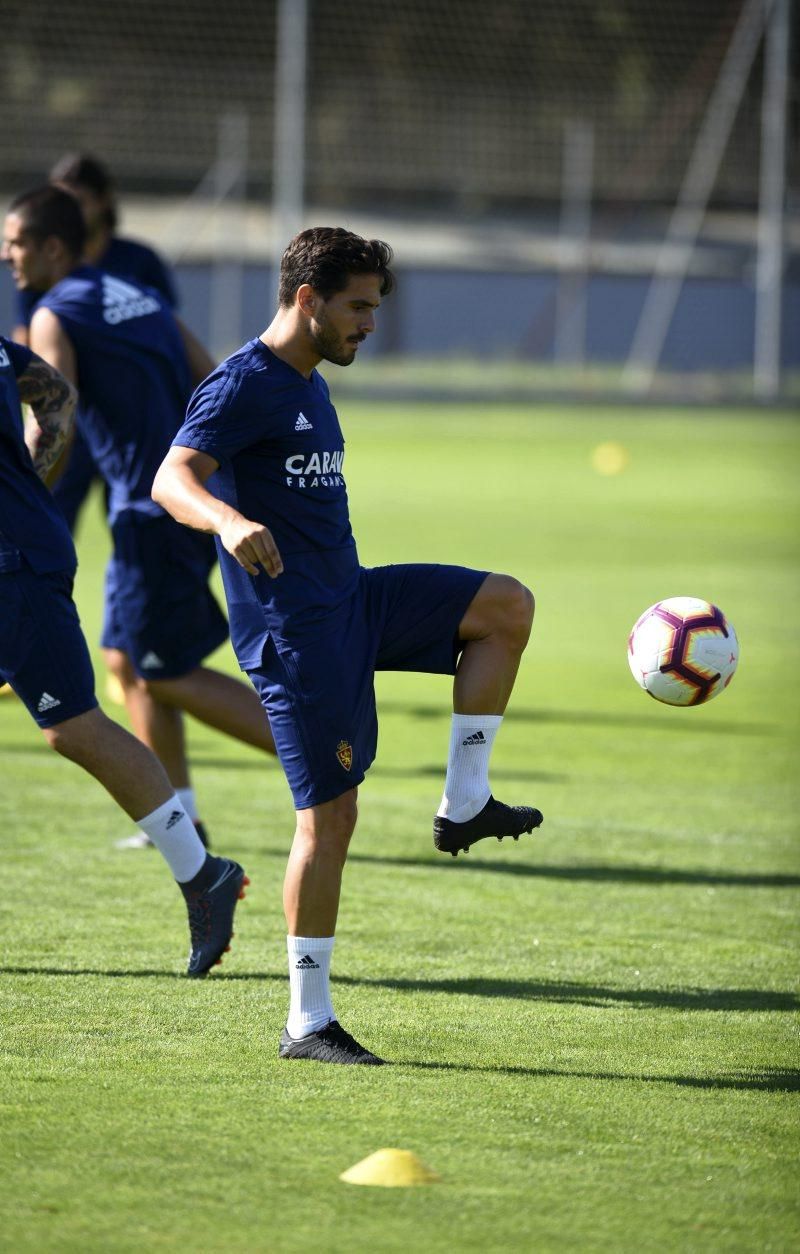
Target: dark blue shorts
column 43, row 652
column 318, row 688
column 159, row 608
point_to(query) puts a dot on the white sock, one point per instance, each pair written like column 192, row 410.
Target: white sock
column 309, row 984
column 174, row 835
column 188, row 801
column 466, row 787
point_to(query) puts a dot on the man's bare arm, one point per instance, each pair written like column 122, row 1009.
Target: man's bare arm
column 179, row 487
column 52, row 400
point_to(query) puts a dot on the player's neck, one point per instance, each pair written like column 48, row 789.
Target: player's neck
column 287, row 341
column 96, row 245
column 60, row 270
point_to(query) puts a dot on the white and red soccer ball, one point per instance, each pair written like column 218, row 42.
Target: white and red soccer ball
column 683, row 651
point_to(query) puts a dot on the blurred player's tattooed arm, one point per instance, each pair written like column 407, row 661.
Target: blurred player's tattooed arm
column 52, row 400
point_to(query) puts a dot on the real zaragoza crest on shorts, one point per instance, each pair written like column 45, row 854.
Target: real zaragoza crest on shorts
column 344, row 752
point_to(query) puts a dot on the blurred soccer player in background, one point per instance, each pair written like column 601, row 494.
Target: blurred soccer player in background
column 134, row 365
column 310, row 625
column 90, row 182
column 44, row 656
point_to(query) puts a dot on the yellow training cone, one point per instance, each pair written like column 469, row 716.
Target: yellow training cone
column 391, row 1169
column 610, row 458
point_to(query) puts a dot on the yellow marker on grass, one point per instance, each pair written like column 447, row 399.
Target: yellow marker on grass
column 610, row 458
column 390, row 1169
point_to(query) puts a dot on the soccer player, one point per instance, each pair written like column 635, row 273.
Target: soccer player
column 133, row 364
column 43, row 653
column 310, row 625
column 90, row 182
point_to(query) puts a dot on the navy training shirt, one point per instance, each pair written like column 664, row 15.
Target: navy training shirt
column 32, row 527
column 280, row 450
column 133, row 379
column 127, row 259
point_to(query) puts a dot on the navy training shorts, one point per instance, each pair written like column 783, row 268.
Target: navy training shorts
column 318, row 689
column 43, row 651
column 159, row 608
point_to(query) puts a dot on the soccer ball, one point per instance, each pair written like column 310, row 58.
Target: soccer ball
column 683, row 651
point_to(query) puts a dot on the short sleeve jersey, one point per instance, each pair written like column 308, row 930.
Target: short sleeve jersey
column 280, row 450
column 133, row 379
column 32, row 528
column 127, row 259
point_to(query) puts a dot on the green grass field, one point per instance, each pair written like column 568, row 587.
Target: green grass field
column 595, row 1032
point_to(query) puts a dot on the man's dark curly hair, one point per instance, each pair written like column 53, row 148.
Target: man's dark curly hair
column 326, row 257
column 48, row 210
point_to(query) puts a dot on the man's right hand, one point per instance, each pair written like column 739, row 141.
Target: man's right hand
column 252, row 545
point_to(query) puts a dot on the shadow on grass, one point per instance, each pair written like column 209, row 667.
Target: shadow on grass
column 591, row 871
column 428, row 770
column 597, row 718
column 765, row 1080
column 675, row 722
column 742, row 999
column 727, row 999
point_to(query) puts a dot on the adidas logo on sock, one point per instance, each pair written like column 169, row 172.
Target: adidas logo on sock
column 46, row 702
column 306, row 964
column 150, row 660
column 302, row 423
column 477, row 739
column 174, row 818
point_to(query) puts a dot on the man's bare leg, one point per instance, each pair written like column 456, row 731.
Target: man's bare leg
column 311, row 891
column 313, row 880
column 220, row 701
column 157, row 725
column 138, row 783
column 120, row 762
column 496, row 628
column 160, row 727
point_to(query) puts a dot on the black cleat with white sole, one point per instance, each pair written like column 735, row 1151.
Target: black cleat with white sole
column 495, row 819
column 329, row 1044
column 211, row 900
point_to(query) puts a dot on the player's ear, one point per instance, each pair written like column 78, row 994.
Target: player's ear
column 53, row 248
column 307, row 299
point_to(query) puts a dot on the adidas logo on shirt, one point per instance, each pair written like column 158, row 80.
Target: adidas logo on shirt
column 122, row 301
column 477, row 739
column 306, row 964
column 302, row 423
column 5, row 360
column 150, row 660
column 46, row 702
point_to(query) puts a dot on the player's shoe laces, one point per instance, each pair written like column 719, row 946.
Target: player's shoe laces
column 329, row 1044
column 211, row 907
column 495, row 819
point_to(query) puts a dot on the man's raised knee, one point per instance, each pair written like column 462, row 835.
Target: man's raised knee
column 518, row 609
